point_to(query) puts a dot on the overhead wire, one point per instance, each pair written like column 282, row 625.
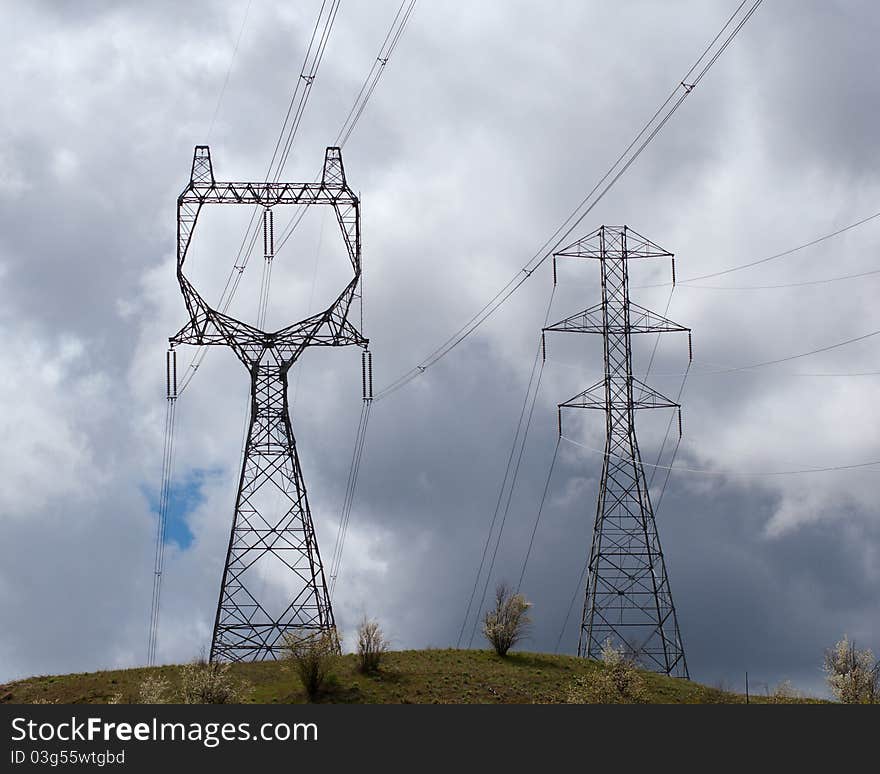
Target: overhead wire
column 577, row 589
column 538, row 517
column 519, row 439
column 825, row 281
column 389, row 44
column 799, row 355
column 735, row 473
column 500, row 498
column 506, row 510
column 775, row 256
column 164, row 500
column 244, row 19
column 354, row 470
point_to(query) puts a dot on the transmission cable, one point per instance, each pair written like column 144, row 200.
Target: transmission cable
column 164, row 499
column 342, row 533
column 500, row 497
column 392, row 38
column 538, row 517
column 524, row 416
column 578, row 587
column 825, row 281
column 800, row 354
column 506, row 510
column 247, row 11
column 769, row 258
column 709, row 472
column 650, row 130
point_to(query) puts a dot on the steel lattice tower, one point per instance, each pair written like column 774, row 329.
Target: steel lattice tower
column 628, row 598
column 272, row 516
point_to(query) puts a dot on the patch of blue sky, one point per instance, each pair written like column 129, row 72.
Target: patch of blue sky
column 186, row 495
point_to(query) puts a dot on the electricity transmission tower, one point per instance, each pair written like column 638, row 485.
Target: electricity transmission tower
column 627, row 595
column 272, row 529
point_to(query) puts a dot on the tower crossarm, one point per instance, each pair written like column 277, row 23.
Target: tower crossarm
column 330, row 328
column 644, row 397
column 613, row 242
column 204, row 189
column 641, row 320
column 265, row 194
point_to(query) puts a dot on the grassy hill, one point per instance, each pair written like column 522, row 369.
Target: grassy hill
column 406, row 677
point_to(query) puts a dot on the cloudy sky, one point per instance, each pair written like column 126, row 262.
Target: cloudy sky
column 490, row 123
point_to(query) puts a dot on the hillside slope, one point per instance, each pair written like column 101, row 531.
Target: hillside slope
column 406, row 677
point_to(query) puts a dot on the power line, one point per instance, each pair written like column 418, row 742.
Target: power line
column 506, row 511
column 764, row 474
column 392, row 38
column 577, row 589
column 164, row 500
column 247, row 11
column 538, row 517
column 519, row 429
column 385, row 51
column 825, row 281
column 769, row 258
column 500, row 498
column 801, row 354
column 354, row 470
column 668, row 430
column 726, row 371
column 650, row 130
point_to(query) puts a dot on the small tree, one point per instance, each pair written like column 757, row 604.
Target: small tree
column 784, row 693
column 313, row 654
column 209, row 682
column 508, row 622
column 618, row 682
column 152, row 690
column 371, row 646
column 852, row 675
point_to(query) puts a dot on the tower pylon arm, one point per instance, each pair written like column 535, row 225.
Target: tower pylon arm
column 613, row 242
column 264, row 194
column 641, row 320
column 203, row 188
column 330, row 328
column 208, row 327
column 643, row 397
column 646, row 397
column 591, row 398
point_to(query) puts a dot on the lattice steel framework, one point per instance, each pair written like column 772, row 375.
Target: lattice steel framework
column 628, row 598
column 272, row 528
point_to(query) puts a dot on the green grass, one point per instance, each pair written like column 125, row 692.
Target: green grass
column 406, row 677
